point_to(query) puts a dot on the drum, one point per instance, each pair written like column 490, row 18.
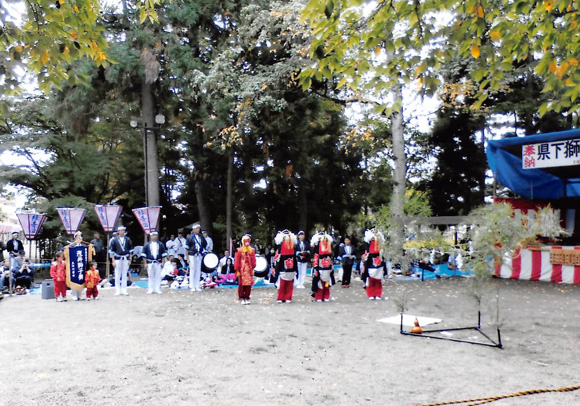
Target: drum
column 261, row 270
column 210, row 262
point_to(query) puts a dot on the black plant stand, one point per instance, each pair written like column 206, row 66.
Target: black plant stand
column 425, row 334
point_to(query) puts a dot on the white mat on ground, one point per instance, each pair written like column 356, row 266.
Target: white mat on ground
column 409, row 320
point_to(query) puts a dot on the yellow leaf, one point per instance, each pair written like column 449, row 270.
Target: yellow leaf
column 74, row 35
column 142, row 16
column 18, row 48
column 573, row 61
column 553, row 67
column 377, row 50
column 66, row 50
column 264, row 86
column 94, row 46
column 44, row 56
column 549, row 4
column 419, row 83
column 562, row 69
column 480, row 12
column 569, row 82
column 495, row 35
column 475, row 52
column 76, row 8
column 471, row 9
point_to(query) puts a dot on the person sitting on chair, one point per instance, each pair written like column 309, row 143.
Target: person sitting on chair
column 25, row 276
column 226, row 264
column 5, row 274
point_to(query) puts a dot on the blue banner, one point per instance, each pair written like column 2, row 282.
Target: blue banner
column 78, row 257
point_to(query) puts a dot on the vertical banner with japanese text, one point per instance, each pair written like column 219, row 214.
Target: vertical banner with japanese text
column 77, row 258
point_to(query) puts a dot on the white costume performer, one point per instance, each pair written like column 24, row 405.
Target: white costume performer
column 154, row 252
column 195, row 248
column 120, row 250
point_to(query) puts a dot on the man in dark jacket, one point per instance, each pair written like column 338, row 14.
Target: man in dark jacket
column 13, row 247
column 347, row 257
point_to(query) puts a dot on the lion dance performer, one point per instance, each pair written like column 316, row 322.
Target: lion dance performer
column 322, row 270
column 286, row 267
column 244, row 264
column 374, row 266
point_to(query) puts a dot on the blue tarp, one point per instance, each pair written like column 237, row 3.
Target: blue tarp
column 505, row 160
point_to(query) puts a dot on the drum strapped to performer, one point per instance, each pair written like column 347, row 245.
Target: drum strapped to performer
column 261, row 270
column 210, row 262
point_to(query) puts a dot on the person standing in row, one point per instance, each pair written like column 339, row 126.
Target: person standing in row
column 323, row 273
column 302, row 257
column 195, row 248
column 208, row 240
column 153, row 253
column 286, row 268
column 120, row 250
column 347, row 257
column 374, row 266
column 100, row 253
column 58, row 274
column 172, row 244
column 13, row 247
column 181, row 244
column 244, row 264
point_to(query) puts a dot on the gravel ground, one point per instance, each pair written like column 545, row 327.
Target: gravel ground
column 205, row 348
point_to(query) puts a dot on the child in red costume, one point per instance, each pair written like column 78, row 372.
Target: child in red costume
column 244, row 264
column 58, row 274
column 92, row 279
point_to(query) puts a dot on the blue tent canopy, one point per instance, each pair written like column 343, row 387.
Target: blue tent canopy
column 505, row 160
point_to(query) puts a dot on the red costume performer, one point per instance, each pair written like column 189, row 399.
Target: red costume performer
column 58, row 274
column 92, row 279
column 286, row 266
column 374, row 266
column 244, row 264
column 322, row 265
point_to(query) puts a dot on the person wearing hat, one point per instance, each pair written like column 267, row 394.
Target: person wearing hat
column 347, row 257
column 302, row 257
column 153, row 253
column 244, row 264
column 195, row 248
column 13, row 247
column 121, row 248
column 374, row 268
column 322, row 267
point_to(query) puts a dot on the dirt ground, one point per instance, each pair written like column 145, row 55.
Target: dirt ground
column 205, row 348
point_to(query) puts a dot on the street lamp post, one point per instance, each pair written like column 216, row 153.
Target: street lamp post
column 150, row 159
